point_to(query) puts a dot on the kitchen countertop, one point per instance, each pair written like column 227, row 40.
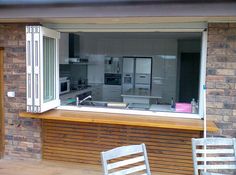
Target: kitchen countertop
column 140, row 93
column 163, row 108
column 123, row 119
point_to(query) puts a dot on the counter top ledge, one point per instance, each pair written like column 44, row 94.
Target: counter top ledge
column 123, row 119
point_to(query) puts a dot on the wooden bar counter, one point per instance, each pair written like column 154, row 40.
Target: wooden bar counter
column 76, row 136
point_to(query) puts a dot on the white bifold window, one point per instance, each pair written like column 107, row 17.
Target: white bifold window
column 42, row 68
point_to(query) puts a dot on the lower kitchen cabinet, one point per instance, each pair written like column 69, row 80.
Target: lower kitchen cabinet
column 112, row 93
column 97, row 92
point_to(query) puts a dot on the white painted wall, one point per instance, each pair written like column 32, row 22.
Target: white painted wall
column 134, row 45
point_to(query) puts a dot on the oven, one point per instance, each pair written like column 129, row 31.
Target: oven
column 112, row 79
column 64, row 85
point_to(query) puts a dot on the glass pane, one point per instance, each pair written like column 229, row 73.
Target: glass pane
column 142, row 71
column 49, row 69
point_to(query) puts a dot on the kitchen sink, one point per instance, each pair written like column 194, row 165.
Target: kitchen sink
column 91, row 103
column 94, row 103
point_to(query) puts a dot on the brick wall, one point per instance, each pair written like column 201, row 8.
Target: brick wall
column 221, row 77
column 22, row 136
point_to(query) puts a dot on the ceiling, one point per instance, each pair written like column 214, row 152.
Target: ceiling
column 97, row 2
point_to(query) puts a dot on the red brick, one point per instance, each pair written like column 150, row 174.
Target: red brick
column 12, row 38
column 221, row 60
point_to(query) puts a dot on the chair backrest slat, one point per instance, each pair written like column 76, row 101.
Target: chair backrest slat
column 114, row 163
column 214, row 141
column 216, row 159
column 122, row 151
column 217, row 167
column 129, row 170
column 207, row 173
column 215, row 151
column 220, row 154
column 125, row 162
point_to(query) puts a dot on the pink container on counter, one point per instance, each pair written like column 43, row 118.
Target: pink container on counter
column 183, row 107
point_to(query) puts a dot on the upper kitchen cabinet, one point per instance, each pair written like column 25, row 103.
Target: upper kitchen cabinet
column 64, row 49
column 143, row 65
column 158, row 66
column 74, row 45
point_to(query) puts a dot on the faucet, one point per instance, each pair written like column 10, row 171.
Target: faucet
column 78, row 101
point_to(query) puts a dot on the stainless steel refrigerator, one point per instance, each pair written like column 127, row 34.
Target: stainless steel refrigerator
column 136, row 73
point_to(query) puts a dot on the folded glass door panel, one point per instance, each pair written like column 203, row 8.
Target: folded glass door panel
column 42, row 68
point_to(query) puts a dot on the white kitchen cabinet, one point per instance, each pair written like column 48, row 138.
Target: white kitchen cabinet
column 97, row 90
column 158, row 66
column 143, row 66
column 64, row 48
column 112, row 93
column 96, row 69
column 128, row 65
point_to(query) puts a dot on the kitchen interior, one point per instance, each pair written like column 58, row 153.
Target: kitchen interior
column 152, row 71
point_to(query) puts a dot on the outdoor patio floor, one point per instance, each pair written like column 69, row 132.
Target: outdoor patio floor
column 19, row 167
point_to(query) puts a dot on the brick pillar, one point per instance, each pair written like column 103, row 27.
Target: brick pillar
column 221, row 77
column 22, row 136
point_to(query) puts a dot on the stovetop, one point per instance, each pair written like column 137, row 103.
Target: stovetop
column 80, row 87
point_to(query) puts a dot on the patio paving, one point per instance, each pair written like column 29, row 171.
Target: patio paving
column 19, row 167
column 33, row 167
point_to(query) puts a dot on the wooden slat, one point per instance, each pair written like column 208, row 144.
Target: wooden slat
column 123, row 119
column 1, row 105
column 134, row 128
column 169, row 150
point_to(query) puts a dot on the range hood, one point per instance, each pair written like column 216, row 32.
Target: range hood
column 74, row 45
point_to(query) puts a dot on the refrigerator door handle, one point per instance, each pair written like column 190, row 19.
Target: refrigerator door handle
column 142, row 76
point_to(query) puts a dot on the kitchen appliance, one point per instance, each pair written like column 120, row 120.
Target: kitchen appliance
column 128, row 74
column 64, row 85
column 128, row 80
column 112, row 79
column 136, row 73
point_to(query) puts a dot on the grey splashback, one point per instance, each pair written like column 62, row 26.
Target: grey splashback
column 74, row 71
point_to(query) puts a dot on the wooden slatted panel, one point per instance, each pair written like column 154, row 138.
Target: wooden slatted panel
column 169, row 150
column 1, row 104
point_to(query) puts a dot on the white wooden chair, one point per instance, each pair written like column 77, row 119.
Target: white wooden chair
column 136, row 164
column 220, row 155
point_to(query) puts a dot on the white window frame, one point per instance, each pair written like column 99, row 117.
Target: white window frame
column 35, row 65
column 163, row 114
column 194, row 28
